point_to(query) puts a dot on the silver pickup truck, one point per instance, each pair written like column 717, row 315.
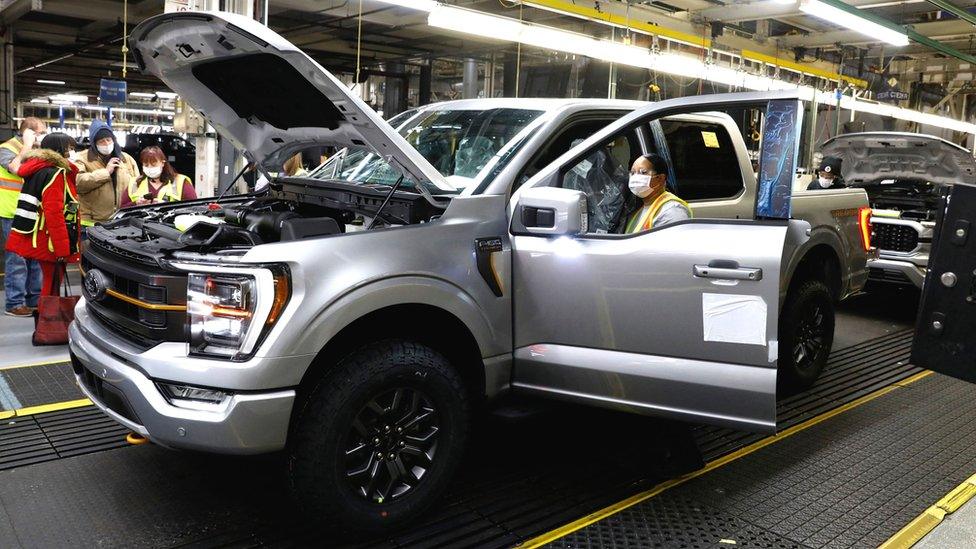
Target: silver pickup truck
column 357, row 323
column 905, row 176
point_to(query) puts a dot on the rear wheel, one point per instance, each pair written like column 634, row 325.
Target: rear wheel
column 379, row 438
column 806, row 334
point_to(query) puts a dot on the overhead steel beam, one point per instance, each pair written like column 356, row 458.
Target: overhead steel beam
column 934, row 30
column 12, row 10
column 911, row 33
column 941, row 47
column 647, row 21
column 954, row 10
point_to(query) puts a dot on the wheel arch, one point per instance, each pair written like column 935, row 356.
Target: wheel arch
column 431, row 312
column 820, row 260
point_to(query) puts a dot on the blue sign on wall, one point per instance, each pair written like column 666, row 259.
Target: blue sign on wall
column 778, row 157
column 112, row 92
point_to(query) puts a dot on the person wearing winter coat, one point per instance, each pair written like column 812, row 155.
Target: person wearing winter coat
column 46, row 226
column 105, row 173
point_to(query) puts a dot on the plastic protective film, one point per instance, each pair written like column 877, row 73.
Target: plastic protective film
column 734, row 318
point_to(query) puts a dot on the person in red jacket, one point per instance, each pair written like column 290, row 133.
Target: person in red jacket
column 46, row 224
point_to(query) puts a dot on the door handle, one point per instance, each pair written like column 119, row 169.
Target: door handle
column 728, row 273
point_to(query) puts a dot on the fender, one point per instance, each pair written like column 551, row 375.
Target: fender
column 403, row 290
column 820, row 235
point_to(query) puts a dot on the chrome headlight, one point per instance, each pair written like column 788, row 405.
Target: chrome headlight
column 230, row 311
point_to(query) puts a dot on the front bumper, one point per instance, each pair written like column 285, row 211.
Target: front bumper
column 249, row 422
column 896, row 271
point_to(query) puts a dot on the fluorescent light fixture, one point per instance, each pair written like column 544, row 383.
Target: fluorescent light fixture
column 422, row 5
column 44, row 101
column 69, row 98
column 165, row 95
column 844, row 18
column 143, row 95
column 504, row 28
column 54, row 82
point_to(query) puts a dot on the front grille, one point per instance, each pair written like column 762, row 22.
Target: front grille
column 115, row 250
column 141, row 325
column 893, row 237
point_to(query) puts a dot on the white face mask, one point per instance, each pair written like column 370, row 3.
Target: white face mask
column 152, row 172
column 105, row 149
column 825, row 183
column 640, row 184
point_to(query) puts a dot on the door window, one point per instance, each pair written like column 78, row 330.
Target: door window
column 702, row 158
column 568, row 137
column 602, row 175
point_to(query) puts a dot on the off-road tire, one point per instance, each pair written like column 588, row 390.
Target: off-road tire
column 799, row 312
column 317, row 460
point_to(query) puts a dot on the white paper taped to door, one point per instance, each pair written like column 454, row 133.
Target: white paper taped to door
column 732, row 318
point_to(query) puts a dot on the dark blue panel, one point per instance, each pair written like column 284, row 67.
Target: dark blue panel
column 112, row 92
column 777, row 160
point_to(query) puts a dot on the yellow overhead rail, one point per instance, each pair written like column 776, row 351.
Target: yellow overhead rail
column 800, row 67
column 699, row 41
column 594, row 14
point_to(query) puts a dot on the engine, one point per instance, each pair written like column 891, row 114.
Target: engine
column 206, row 227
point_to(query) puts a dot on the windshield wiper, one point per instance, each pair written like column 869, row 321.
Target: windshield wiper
column 386, row 201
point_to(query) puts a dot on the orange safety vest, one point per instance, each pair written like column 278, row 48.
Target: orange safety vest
column 639, row 222
column 10, row 183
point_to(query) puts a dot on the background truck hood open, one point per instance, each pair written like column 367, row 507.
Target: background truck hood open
column 263, row 93
column 872, row 157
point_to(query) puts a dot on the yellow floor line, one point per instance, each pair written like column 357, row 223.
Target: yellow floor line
column 919, row 527
column 54, row 407
column 32, row 364
column 597, row 516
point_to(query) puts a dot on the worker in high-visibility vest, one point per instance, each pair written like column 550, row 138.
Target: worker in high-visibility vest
column 46, row 226
column 159, row 182
column 648, row 181
column 22, row 277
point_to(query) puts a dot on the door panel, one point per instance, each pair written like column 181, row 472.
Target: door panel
column 626, row 322
column 945, row 336
column 639, row 294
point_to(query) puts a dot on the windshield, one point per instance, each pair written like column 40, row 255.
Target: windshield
column 461, row 144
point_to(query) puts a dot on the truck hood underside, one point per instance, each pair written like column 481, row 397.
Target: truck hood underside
column 872, row 157
column 263, row 93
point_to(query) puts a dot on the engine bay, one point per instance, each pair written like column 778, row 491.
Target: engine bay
column 914, row 200
column 290, row 209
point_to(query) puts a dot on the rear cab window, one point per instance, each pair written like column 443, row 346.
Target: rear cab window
column 701, row 157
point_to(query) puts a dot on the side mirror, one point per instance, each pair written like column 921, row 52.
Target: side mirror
column 550, row 211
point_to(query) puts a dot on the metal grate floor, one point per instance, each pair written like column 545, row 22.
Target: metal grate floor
column 45, row 437
column 851, row 482
column 518, row 479
column 37, row 385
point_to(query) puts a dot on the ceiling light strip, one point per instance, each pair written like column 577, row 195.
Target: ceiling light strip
column 635, row 24
column 839, row 13
column 511, row 30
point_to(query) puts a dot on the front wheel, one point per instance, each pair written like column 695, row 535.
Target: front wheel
column 379, row 438
column 806, row 333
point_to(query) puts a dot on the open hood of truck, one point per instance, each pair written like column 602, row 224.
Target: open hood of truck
column 874, row 157
column 263, row 93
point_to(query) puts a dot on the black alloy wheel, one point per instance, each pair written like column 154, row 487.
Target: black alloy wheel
column 392, row 444
column 806, row 334
column 376, row 442
column 809, row 342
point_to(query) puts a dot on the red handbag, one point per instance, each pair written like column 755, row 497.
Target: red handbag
column 55, row 312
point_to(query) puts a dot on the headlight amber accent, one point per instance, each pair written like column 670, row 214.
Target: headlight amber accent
column 282, row 291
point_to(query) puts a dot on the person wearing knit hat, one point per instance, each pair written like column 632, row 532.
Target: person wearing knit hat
column 106, row 172
column 828, row 175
